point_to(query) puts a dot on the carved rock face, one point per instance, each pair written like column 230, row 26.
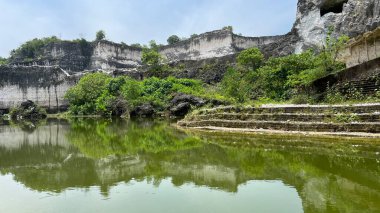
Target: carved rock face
column 348, row 17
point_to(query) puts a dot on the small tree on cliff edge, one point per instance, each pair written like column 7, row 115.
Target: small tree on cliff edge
column 229, row 28
column 100, row 35
column 173, row 39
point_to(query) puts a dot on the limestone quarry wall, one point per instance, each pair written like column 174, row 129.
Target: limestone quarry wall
column 45, row 86
column 71, row 56
column 110, row 56
column 347, row 17
column 362, row 49
column 314, row 17
column 221, row 43
column 209, row 45
column 242, row 42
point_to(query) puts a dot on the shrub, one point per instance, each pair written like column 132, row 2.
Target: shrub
column 173, row 39
column 3, row 61
column 229, row 28
column 99, row 93
column 137, row 45
column 250, row 59
column 83, row 96
column 235, row 86
column 28, row 111
column 100, row 35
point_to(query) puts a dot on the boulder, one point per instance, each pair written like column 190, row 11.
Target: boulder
column 181, row 98
column 27, row 104
column 145, row 110
column 181, row 109
column 181, row 104
column 28, row 110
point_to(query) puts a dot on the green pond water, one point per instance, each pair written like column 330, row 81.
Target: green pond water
column 91, row 165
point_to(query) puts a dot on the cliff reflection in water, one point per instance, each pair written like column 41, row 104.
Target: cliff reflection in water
column 337, row 175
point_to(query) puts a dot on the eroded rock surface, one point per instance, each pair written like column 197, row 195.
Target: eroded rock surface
column 348, row 17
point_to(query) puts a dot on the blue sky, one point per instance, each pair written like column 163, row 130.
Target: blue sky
column 139, row 21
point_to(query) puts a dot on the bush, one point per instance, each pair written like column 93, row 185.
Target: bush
column 100, row 35
column 283, row 78
column 28, row 110
column 235, row 86
column 101, row 94
column 83, row 96
column 3, row 61
column 229, row 28
column 173, row 39
column 250, row 59
column 136, row 45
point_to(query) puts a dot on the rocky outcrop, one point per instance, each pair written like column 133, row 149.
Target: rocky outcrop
column 145, row 110
column 348, row 17
column 107, row 55
column 77, row 56
column 314, row 17
column 69, row 55
column 44, row 86
column 28, row 110
column 181, row 104
column 44, row 79
column 362, row 49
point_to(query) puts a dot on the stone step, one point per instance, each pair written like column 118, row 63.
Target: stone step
column 363, row 117
column 327, row 109
column 365, row 127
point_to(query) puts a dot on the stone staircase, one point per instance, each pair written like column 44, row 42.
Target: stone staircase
column 363, row 119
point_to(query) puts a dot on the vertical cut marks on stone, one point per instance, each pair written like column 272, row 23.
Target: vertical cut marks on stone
column 332, row 6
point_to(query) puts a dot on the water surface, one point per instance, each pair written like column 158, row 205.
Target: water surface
column 89, row 165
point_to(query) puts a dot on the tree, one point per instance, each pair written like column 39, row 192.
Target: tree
column 152, row 58
column 235, row 86
column 100, row 35
column 251, row 58
column 229, row 28
column 153, row 45
column 193, row 35
column 83, row 96
column 330, row 52
column 173, row 39
column 3, row 61
column 136, row 45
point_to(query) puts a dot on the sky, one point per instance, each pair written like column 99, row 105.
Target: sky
column 139, row 21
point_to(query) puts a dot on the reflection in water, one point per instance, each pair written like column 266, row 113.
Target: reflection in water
column 328, row 176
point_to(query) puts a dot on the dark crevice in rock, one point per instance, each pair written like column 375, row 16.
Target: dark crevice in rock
column 332, row 6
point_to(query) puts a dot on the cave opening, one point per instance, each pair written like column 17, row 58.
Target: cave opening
column 332, row 6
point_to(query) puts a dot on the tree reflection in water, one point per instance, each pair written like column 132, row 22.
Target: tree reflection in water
column 329, row 174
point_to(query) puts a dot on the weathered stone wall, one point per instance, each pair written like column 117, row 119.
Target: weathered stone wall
column 350, row 17
column 362, row 49
column 110, row 56
column 314, row 17
column 44, row 86
column 242, row 42
column 71, row 56
column 221, row 43
column 208, row 45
